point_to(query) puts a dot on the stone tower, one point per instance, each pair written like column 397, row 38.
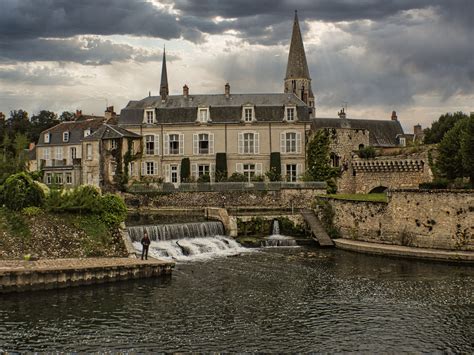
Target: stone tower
column 297, row 79
column 164, row 91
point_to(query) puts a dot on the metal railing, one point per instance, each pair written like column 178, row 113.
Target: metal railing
column 224, row 186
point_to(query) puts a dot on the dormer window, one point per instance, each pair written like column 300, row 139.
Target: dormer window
column 87, row 132
column 248, row 114
column 203, row 115
column 149, row 116
column 66, row 136
column 290, row 114
column 47, row 137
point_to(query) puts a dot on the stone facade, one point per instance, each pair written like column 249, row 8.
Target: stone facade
column 426, row 219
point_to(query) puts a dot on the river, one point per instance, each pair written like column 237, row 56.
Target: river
column 275, row 299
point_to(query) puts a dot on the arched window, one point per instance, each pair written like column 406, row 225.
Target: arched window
column 361, row 146
column 334, row 160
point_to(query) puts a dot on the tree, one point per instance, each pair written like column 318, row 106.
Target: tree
column 67, row 116
column 40, row 122
column 319, row 164
column 467, row 150
column 450, row 159
column 440, row 127
column 185, row 170
column 18, row 122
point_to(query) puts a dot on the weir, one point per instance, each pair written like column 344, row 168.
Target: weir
column 186, row 241
column 278, row 240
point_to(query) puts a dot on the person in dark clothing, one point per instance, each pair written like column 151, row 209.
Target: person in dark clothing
column 146, row 244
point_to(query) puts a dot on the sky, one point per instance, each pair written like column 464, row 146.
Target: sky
column 371, row 56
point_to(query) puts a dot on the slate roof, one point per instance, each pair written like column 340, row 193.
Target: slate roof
column 382, row 133
column 297, row 67
column 108, row 131
column 181, row 109
column 75, row 129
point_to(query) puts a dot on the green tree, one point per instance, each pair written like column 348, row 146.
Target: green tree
column 67, row 116
column 440, row 127
column 450, row 159
column 40, row 122
column 467, row 150
column 319, row 165
column 20, row 191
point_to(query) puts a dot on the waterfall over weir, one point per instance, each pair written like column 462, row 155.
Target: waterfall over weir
column 278, row 240
column 186, row 241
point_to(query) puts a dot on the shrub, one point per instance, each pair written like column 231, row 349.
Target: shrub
column 20, row 191
column 32, row 211
column 113, row 209
column 436, row 184
column 204, row 178
column 274, row 174
column 258, row 178
column 185, row 169
column 367, row 153
column 237, row 177
column 221, row 166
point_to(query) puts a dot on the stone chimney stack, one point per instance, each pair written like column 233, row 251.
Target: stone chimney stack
column 227, row 90
column 109, row 113
column 185, row 91
column 417, row 130
column 394, row 116
column 341, row 113
column 78, row 113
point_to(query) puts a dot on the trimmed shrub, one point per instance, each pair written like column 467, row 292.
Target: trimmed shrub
column 367, row 153
column 436, row 184
column 113, row 210
column 20, row 191
column 237, row 177
column 185, row 170
column 221, row 167
column 204, row 178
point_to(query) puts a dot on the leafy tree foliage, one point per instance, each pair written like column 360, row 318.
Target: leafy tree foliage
column 185, row 170
column 40, row 122
column 319, row 164
column 20, row 191
column 467, row 150
column 439, row 128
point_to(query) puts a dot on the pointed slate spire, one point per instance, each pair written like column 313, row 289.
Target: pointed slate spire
column 297, row 67
column 164, row 91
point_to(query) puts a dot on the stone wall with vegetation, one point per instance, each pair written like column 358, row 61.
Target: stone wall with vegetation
column 429, row 219
column 285, row 198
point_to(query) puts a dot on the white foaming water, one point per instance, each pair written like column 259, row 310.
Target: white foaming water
column 193, row 249
column 278, row 240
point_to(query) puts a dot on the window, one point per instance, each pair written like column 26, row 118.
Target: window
column 47, row 137
column 174, row 143
column 68, row 178
column 113, row 144
column 248, row 114
column 334, row 160
column 249, row 170
column 48, row 179
column 149, row 116
column 203, row 170
column 151, row 145
column 203, row 143
column 73, row 153
column 403, row 141
column 290, row 113
column 203, row 115
column 59, row 153
column 66, row 136
column 150, row 168
column 290, row 142
column 174, row 173
column 248, row 143
column 58, row 179
column 291, row 172
column 89, row 151
column 131, row 168
column 47, row 153
column 87, row 132
column 112, row 168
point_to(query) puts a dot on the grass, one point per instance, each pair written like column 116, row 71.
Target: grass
column 359, row 197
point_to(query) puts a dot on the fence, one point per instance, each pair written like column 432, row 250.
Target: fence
column 224, row 186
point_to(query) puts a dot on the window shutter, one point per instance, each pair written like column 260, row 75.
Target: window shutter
column 257, row 143
column 143, row 168
column 258, row 169
column 298, row 142
column 212, row 171
column 299, row 171
column 195, row 144
column 241, row 143
column 194, row 171
column 144, row 145
column 166, row 145
column 155, row 168
column 211, row 143
column 167, row 173
column 239, row 167
column 282, row 143
column 181, row 144
column 157, row 145
column 283, row 172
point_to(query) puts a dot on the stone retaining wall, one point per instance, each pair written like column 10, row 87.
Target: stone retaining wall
column 426, row 219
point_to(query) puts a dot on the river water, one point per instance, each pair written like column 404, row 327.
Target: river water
column 276, row 299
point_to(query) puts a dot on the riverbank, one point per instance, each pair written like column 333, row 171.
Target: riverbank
column 466, row 257
column 18, row 275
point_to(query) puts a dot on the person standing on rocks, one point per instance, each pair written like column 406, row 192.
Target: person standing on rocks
column 145, row 244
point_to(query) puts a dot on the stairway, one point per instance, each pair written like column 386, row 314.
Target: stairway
column 319, row 234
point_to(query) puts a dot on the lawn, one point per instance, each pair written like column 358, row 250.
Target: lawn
column 360, row 197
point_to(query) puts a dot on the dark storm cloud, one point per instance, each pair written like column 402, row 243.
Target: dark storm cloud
column 37, row 76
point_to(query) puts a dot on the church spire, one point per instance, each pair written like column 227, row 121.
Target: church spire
column 164, row 91
column 297, row 79
column 297, row 67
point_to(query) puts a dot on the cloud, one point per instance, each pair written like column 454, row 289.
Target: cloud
column 42, row 75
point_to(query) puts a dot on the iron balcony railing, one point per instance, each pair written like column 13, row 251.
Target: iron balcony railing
column 224, row 186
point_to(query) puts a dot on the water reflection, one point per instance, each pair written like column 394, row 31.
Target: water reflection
column 273, row 300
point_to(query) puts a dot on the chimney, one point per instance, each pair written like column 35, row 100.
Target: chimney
column 394, row 116
column 227, row 90
column 185, row 91
column 341, row 113
column 78, row 113
column 109, row 113
column 417, row 130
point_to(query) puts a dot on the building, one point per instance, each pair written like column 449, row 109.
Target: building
column 245, row 128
